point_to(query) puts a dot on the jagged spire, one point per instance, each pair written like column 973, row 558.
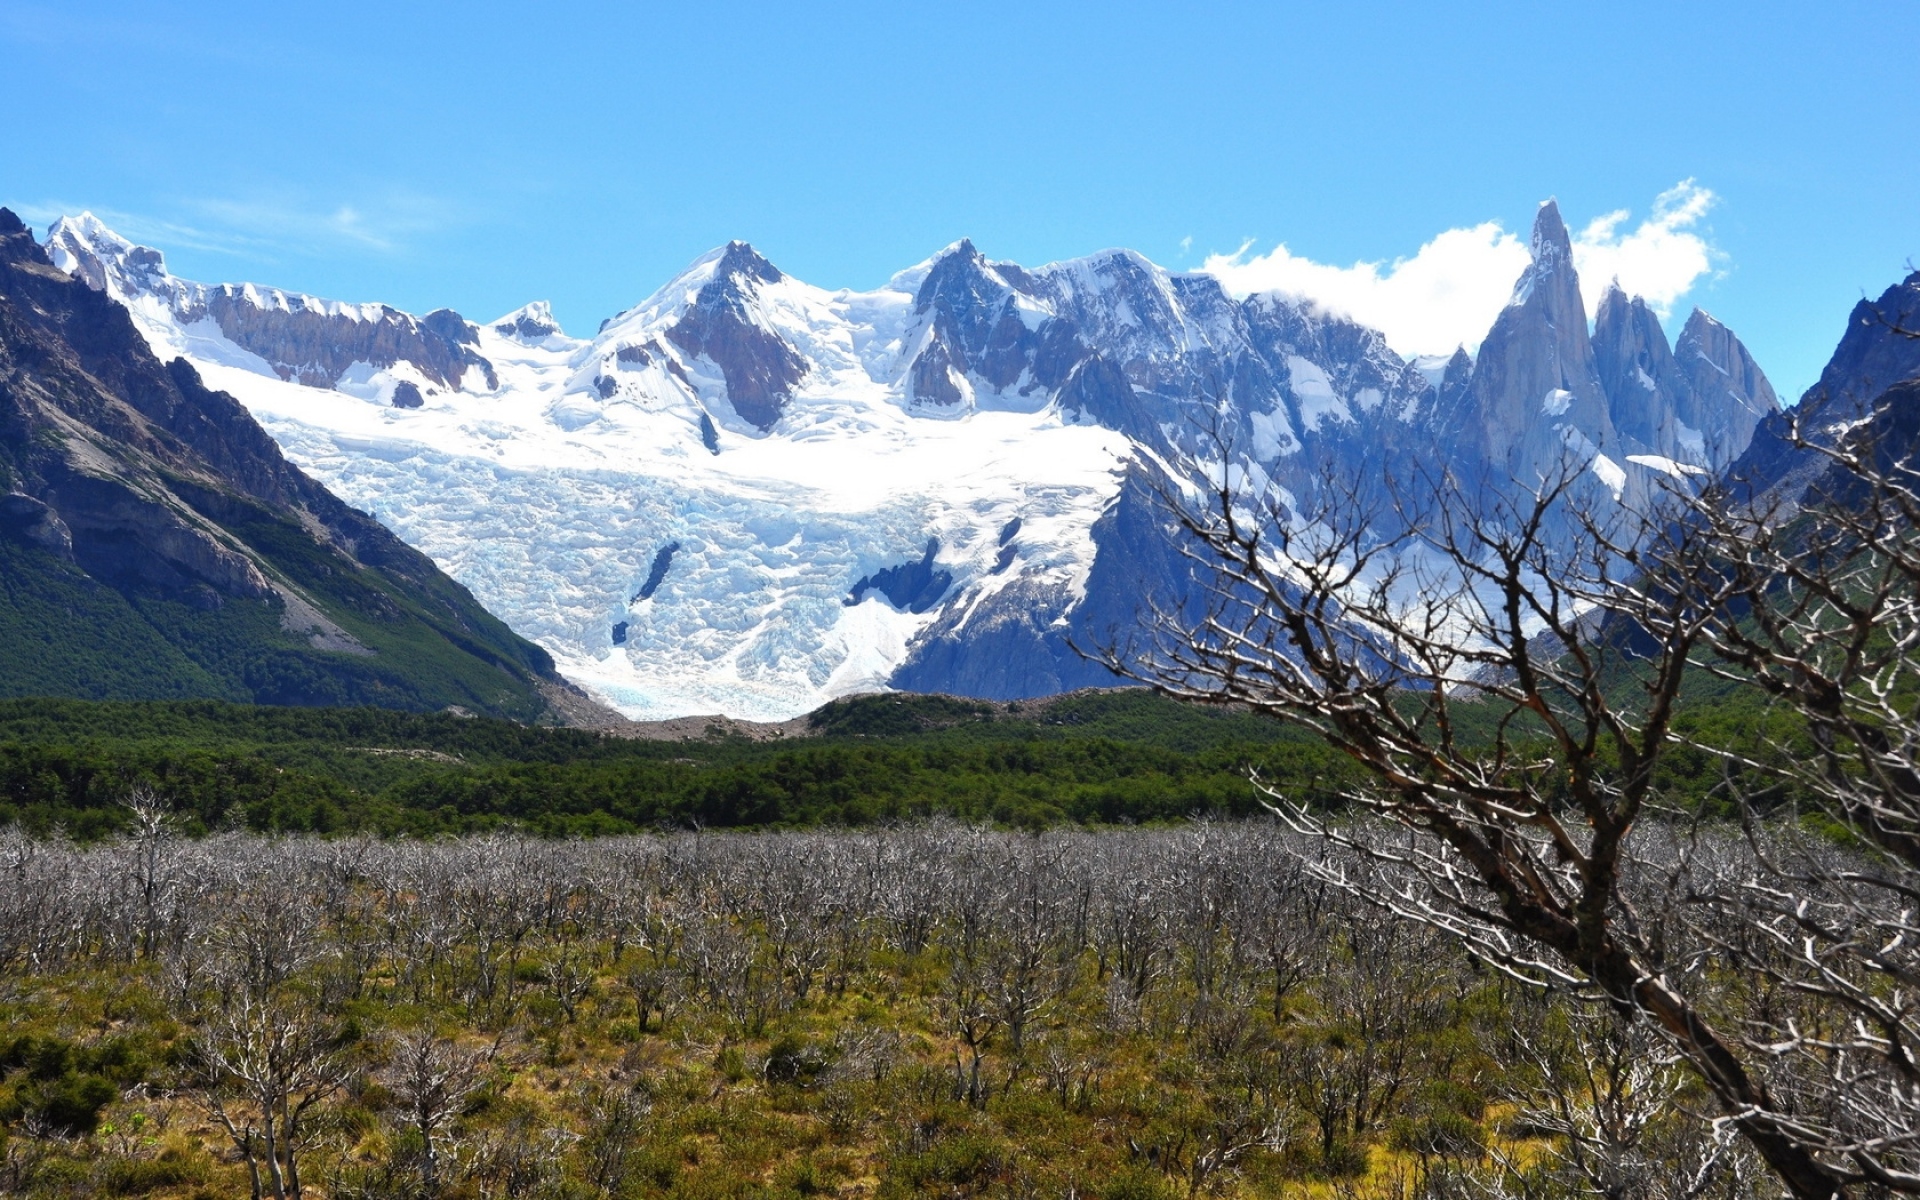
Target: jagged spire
column 1551, row 245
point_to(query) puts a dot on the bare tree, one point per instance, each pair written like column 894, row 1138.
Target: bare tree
column 268, row 1064
column 433, row 1077
column 1827, row 627
column 1451, row 648
column 152, row 828
column 1615, row 1107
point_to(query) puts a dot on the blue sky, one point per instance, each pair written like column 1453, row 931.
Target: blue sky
column 481, row 155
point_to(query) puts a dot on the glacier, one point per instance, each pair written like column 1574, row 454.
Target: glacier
column 1009, row 426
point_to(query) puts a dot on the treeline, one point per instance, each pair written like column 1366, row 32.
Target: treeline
column 1103, row 758
column 1091, row 759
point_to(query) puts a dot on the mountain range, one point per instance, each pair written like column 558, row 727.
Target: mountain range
column 157, row 544
column 749, row 495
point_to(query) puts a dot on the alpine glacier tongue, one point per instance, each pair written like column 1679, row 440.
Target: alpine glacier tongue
column 748, row 495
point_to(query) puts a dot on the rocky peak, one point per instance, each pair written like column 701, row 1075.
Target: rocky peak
column 962, row 251
column 1551, row 245
column 960, row 284
column 303, row 338
column 1707, row 345
column 982, row 326
column 1124, row 305
column 1457, row 374
column 1697, row 403
column 1874, row 355
column 741, row 261
column 1645, row 391
column 725, row 324
column 1332, row 363
column 451, row 326
column 532, row 323
column 106, row 262
column 1728, row 394
column 1550, row 278
column 1536, row 395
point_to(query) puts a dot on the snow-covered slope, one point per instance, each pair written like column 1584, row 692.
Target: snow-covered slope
column 748, row 495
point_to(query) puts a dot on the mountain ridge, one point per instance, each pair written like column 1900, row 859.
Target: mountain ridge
column 158, row 542
column 792, row 442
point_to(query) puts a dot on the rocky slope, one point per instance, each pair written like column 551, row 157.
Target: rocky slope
column 748, row 495
column 1878, row 350
column 157, row 543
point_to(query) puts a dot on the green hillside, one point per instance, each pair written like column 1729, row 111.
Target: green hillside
column 155, row 544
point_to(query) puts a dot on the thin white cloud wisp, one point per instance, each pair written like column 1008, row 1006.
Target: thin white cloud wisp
column 1448, row 293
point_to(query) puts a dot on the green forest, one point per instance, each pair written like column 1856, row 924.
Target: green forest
column 1095, row 758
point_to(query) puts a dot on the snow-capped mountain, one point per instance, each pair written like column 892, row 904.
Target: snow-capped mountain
column 748, row 495
column 155, row 543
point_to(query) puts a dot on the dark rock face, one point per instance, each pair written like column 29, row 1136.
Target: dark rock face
column 1867, row 399
column 1889, row 439
column 930, row 380
column 317, row 347
column 1876, row 352
column 977, row 327
column 1032, row 639
column 709, row 436
column 1355, row 359
column 657, row 573
column 1011, row 649
column 1696, row 404
column 36, row 523
column 1009, row 549
column 137, row 491
column 1097, row 391
column 1873, row 355
column 1643, row 386
column 619, row 632
column 910, row 587
column 1451, row 396
column 406, row 395
column 760, row 369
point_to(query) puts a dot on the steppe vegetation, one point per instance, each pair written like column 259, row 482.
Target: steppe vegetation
column 934, row 1009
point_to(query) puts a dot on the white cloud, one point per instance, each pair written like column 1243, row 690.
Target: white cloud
column 1660, row 260
column 1444, row 296
column 1449, row 292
